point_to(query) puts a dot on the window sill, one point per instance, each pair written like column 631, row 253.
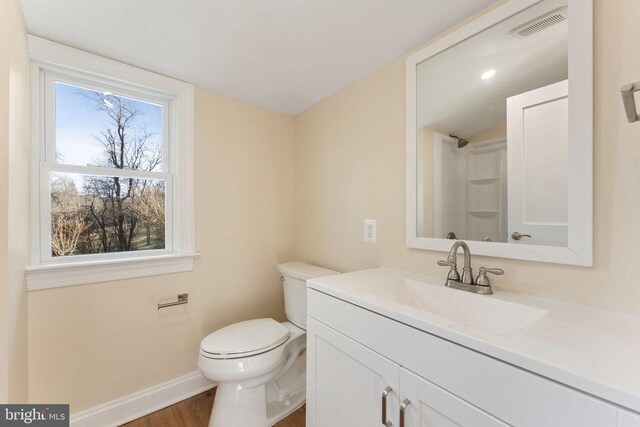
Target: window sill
column 47, row 276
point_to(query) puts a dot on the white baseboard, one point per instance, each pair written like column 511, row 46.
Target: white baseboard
column 143, row 402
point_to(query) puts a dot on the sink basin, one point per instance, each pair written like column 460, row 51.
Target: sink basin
column 483, row 312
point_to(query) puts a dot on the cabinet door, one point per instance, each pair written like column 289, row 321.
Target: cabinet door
column 346, row 381
column 431, row 406
column 627, row 419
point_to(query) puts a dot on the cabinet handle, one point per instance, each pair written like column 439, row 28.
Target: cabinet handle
column 403, row 408
column 385, row 393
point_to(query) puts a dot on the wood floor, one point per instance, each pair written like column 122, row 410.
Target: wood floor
column 195, row 411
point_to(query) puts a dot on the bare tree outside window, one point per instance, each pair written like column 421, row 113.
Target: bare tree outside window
column 99, row 214
column 67, row 224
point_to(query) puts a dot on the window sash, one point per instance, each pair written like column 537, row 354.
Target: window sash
column 97, row 170
column 45, row 213
column 49, row 142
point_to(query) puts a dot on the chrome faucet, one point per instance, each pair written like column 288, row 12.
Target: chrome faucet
column 480, row 285
column 452, row 261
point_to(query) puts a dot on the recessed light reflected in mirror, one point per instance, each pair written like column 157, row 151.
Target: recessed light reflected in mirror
column 488, row 74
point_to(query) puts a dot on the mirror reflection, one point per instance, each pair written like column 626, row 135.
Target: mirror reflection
column 492, row 133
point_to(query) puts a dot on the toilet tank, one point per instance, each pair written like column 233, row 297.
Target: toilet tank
column 294, row 276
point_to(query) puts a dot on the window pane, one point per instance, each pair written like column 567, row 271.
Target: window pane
column 106, row 130
column 96, row 214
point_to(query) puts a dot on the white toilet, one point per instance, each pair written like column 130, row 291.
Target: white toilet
column 260, row 365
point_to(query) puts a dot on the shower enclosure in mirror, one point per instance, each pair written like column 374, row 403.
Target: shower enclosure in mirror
column 499, row 134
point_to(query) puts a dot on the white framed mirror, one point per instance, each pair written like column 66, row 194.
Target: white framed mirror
column 500, row 135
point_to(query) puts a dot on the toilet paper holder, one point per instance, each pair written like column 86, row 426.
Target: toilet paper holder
column 629, row 100
column 182, row 299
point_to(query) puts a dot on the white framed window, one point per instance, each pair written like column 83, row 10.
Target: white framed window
column 113, row 170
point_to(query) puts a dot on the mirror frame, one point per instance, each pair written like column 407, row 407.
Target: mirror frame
column 580, row 216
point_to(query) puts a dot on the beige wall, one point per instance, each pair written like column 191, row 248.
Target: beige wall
column 350, row 165
column 4, row 200
column 14, row 185
column 93, row 343
column 497, row 131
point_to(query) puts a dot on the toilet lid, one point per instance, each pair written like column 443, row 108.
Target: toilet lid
column 252, row 336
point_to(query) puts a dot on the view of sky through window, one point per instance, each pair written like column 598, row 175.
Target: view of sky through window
column 80, row 123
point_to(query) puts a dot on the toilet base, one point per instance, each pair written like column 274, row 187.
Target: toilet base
column 235, row 406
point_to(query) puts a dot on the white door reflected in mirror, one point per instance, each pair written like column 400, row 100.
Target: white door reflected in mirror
column 537, row 135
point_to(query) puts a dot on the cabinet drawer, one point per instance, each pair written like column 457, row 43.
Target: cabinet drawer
column 511, row 394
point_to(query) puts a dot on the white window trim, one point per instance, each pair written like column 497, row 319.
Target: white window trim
column 44, row 272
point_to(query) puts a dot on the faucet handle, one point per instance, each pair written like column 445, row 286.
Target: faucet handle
column 496, row 271
column 453, row 273
column 483, row 280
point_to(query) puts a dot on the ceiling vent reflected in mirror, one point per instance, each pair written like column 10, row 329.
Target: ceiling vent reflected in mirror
column 541, row 23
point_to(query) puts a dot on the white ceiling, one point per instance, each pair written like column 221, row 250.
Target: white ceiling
column 285, row 55
column 452, row 97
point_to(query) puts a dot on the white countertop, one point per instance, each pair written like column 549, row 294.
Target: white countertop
column 592, row 350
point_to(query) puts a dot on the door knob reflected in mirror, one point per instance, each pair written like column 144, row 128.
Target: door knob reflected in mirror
column 517, row 236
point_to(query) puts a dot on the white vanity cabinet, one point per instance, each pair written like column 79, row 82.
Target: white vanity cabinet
column 355, row 353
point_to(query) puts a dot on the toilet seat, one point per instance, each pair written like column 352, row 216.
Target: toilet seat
column 244, row 339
